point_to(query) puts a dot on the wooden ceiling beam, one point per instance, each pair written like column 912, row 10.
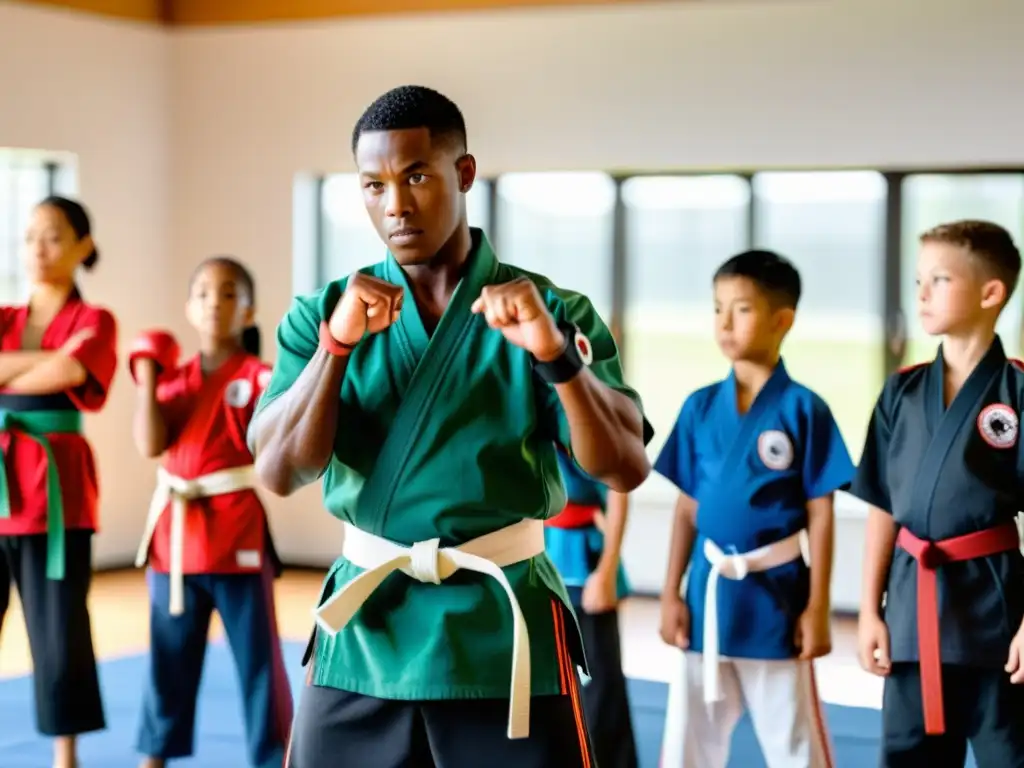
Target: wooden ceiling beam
column 200, row 13
column 155, row 11
column 217, row 12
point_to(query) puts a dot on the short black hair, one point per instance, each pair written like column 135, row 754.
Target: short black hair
column 413, row 106
column 773, row 274
column 79, row 221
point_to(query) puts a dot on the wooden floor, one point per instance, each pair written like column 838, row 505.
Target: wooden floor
column 120, row 616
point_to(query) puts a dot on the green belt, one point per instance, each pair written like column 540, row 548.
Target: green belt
column 36, row 425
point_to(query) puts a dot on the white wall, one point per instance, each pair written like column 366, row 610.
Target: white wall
column 100, row 90
column 687, row 85
column 210, row 168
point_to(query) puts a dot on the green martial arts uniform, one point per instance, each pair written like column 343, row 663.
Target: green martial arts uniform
column 449, row 435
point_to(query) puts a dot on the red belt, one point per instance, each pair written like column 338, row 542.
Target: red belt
column 574, row 516
column 930, row 555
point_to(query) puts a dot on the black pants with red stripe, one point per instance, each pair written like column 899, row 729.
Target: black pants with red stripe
column 338, row 728
column 343, row 729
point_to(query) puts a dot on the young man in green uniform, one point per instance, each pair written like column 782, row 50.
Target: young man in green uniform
column 429, row 392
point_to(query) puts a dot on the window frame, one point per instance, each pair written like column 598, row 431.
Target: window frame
column 892, row 344
column 53, row 165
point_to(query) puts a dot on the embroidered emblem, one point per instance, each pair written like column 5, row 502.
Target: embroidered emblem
column 263, row 379
column 584, row 348
column 238, row 393
column 775, row 449
column 998, row 425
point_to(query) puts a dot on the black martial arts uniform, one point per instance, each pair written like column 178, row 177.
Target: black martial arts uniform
column 953, row 480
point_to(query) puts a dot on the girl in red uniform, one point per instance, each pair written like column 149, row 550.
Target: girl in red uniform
column 207, row 540
column 58, row 355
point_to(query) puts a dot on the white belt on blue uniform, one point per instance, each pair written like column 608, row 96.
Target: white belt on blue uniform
column 737, row 567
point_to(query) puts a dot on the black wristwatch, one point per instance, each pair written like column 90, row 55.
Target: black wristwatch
column 576, row 356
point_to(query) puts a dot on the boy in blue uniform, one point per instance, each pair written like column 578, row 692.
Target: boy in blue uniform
column 757, row 458
column 584, row 542
column 942, row 612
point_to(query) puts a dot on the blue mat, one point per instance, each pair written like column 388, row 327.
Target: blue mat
column 219, row 729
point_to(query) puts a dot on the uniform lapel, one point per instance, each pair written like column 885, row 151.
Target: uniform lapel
column 438, row 355
column 416, row 345
column 195, row 433
column 945, row 423
column 746, row 426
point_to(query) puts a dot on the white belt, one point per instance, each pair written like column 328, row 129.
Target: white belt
column 426, row 562
column 737, row 567
column 179, row 491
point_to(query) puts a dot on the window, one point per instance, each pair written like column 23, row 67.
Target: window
column 25, row 179
column 348, row 240
column 560, row 225
column 832, row 226
column 679, row 229
column 932, row 199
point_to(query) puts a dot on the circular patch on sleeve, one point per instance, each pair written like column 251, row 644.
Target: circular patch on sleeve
column 998, row 425
column 583, row 347
column 775, row 449
column 263, row 380
column 238, row 393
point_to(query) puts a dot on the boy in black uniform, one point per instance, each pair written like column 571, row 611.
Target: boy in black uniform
column 942, row 469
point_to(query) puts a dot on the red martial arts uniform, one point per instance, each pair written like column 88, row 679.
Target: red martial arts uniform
column 206, row 432
column 209, row 549
column 48, row 513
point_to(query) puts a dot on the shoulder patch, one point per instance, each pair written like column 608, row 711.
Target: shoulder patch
column 775, row 449
column 263, row 379
column 1018, row 364
column 998, row 425
column 238, row 393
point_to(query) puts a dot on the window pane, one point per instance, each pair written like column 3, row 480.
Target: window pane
column 478, row 205
column 348, row 239
column 678, row 231
column 832, row 226
column 23, row 183
column 560, row 225
column 932, row 199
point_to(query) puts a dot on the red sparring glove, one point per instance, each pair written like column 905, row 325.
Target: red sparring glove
column 157, row 345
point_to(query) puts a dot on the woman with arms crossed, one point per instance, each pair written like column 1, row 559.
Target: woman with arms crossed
column 58, row 355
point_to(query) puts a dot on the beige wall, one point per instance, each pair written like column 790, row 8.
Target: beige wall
column 687, row 85
column 100, row 90
column 189, row 141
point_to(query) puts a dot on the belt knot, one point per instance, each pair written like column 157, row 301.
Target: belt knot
column 424, row 556
column 930, row 556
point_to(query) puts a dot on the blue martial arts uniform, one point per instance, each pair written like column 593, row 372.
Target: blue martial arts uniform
column 752, row 475
column 576, row 553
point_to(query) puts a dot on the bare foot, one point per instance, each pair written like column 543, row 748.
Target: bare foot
column 153, row 762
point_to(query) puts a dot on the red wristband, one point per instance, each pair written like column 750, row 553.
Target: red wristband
column 332, row 345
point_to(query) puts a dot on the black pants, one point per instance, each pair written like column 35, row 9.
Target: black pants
column 67, row 688
column 605, row 699
column 338, row 729
column 981, row 707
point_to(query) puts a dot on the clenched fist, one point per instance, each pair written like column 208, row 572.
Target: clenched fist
column 517, row 310
column 369, row 305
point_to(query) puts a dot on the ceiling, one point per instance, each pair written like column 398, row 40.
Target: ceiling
column 216, row 12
